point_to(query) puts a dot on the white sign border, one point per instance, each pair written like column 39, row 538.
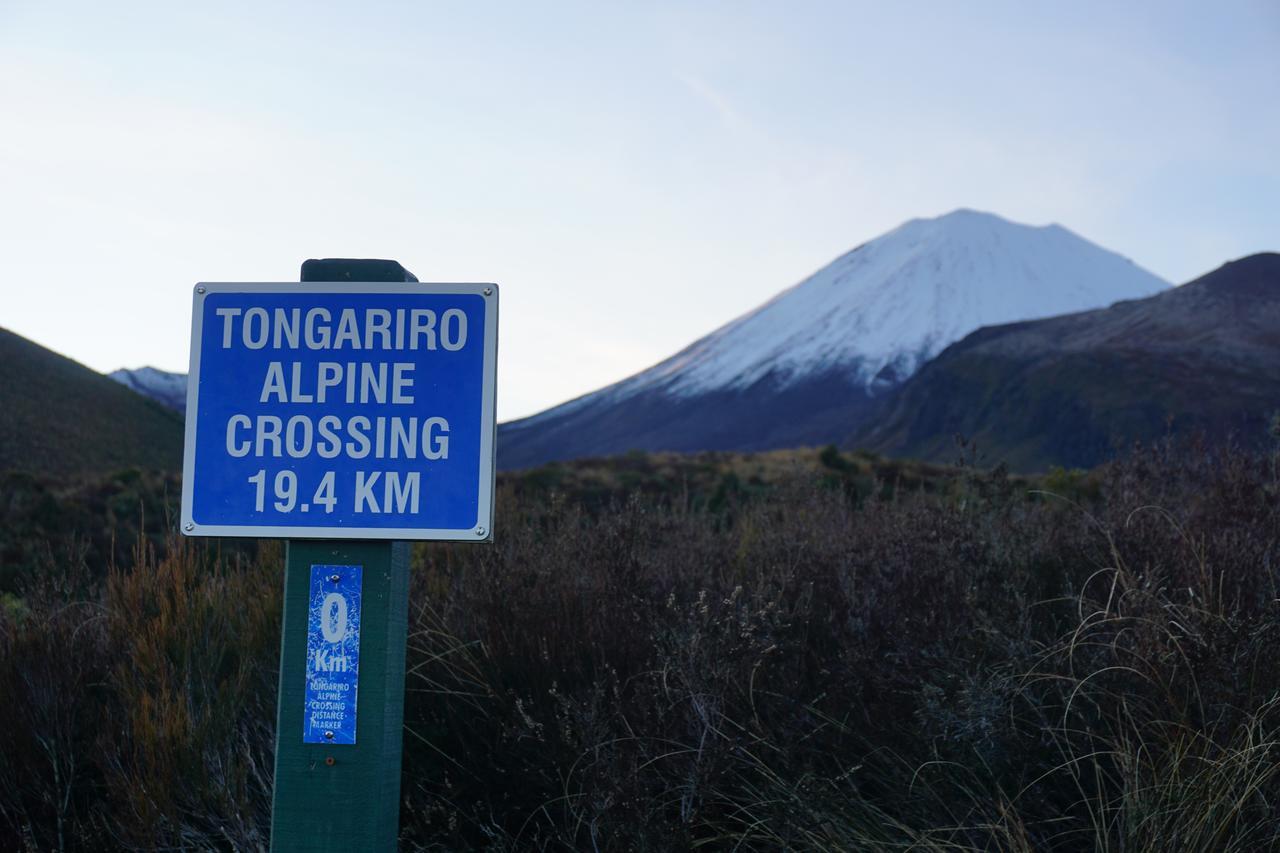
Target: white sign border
column 481, row 531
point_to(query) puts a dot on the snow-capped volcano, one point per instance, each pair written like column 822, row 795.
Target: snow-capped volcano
column 863, row 323
column 889, row 305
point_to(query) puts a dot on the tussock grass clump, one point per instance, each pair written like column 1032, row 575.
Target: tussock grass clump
column 985, row 664
column 139, row 708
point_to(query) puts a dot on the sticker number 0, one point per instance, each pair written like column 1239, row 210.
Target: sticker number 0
column 333, row 617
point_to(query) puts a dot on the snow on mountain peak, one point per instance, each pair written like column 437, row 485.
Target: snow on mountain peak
column 169, row 389
column 881, row 310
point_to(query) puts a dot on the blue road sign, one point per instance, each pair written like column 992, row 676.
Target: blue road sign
column 333, row 655
column 341, row 411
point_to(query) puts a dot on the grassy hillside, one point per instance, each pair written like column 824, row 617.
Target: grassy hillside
column 711, row 479
column 60, row 418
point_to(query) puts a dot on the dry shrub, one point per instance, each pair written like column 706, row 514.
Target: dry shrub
column 144, row 709
column 810, row 666
column 197, row 643
column 53, row 666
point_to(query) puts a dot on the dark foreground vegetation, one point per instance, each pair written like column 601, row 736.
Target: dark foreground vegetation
column 812, row 662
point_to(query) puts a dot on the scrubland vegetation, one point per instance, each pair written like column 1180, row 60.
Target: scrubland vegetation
column 831, row 655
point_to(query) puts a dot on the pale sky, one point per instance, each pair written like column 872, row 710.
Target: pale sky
column 633, row 175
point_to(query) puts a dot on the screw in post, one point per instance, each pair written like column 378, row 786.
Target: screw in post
column 200, row 289
column 328, row 735
column 334, row 578
column 480, row 531
column 488, row 291
column 189, row 526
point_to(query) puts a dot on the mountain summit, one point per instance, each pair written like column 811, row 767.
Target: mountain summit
column 802, row 368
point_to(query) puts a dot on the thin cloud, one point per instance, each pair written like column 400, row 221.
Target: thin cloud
column 719, row 103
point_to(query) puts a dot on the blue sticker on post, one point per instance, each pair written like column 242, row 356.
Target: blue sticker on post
column 333, row 655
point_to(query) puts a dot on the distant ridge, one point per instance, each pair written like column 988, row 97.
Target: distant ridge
column 60, row 418
column 805, row 367
column 1073, row 390
column 169, row 389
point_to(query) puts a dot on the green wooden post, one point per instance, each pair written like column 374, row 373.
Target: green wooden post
column 344, row 797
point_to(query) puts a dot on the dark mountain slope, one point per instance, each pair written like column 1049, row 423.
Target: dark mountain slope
column 768, row 414
column 1069, row 390
column 59, row 417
